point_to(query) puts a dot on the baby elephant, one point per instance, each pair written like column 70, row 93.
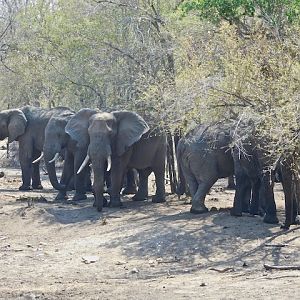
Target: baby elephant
column 203, row 157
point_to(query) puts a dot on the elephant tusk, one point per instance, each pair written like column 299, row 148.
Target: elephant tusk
column 38, row 159
column 86, row 160
column 55, row 158
column 108, row 163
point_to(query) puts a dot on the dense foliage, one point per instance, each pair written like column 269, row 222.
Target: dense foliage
column 179, row 62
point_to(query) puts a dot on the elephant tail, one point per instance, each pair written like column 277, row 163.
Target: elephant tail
column 181, row 186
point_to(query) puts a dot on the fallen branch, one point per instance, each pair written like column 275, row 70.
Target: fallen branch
column 229, row 269
column 268, row 267
column 276, row 245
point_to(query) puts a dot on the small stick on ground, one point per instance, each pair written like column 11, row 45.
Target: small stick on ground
column 281, row 268
column 229, row 269
column 276, row 245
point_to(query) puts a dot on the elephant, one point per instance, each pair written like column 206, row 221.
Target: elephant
column 255, row 164
column 204, row 156
column 123, row 140
column 27, row 125
column 248, row 185
column 262, row 175
column 291, row 189
column 56, row 142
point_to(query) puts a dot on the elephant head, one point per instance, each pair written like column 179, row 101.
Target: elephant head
column 105, row 135
column 13, row 124
column 56, row 139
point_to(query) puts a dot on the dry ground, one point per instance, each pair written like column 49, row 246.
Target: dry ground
column 143, row 251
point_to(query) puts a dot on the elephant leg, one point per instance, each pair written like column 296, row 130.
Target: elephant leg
column 71, row 183
column 191, row 182
column 142, row 193
column 255, row 202
column 118, row 169
column 268, row 194
column 160, row 195
column 289, row 198
column 242, row 195
column 130, row 187
column 88, row 181
column 107, row 179
column 35, row 175
column 231, row 183
column 198, row 205
column 80, row 189
column 25, row 157
column 66, row 177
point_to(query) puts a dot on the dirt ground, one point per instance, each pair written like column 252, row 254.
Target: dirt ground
column 143, row 251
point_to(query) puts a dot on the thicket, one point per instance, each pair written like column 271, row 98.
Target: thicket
column 179, row 62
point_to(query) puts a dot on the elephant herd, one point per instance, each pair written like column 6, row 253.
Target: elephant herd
column 118, row 141
column 209, row 152
column 113, row 142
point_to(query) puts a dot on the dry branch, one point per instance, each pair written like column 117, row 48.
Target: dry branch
column 281, row 268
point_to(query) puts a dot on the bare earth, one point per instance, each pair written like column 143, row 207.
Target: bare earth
column 144, row 251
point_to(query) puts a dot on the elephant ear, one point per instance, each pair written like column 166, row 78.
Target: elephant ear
column 77, row 127
column 16, row 125
column 131, row 127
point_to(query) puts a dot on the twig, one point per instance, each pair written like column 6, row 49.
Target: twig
column 268, row 267
column 229, row 269
column 276, row 245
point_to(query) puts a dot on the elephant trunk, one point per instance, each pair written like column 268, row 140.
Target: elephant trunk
column 101, row 163
column 52, row 172
column 99, row 169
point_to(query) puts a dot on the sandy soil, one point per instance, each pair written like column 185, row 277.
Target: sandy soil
column 144, row 251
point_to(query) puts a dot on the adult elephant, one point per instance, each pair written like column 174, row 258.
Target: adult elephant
column 122, row 140
column 249, row 186
column 56, row 142
column 27, row 125
column 261, row 170
column 203, row 157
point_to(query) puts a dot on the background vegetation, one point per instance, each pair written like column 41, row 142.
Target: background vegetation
column 179, row 62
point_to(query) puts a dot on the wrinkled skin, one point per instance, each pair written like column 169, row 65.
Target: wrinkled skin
column 203, row 157
column 248, row 185
column 253, row 168
column 291, row 190
column 27, row 125
column 56, row 141
column 121, row 136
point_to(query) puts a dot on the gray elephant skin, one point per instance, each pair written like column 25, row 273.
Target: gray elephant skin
column 203, row 157
column 27, row 125
column 56, row 141
column 260, row 169
column 119, row 140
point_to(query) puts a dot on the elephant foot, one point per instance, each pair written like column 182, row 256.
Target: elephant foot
column 78, row 197
column 105, row 203
column 296, row 222
column 129, row 190
column 37, row 187
column 270, row 219
column 235, row 213
column 158, row 199
column 285, row 227
column 25, row 188
column 246, row 210
column 115, row 202
column 138, row 197
column 61, row 196
column 230, row 187
column 199, row 210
